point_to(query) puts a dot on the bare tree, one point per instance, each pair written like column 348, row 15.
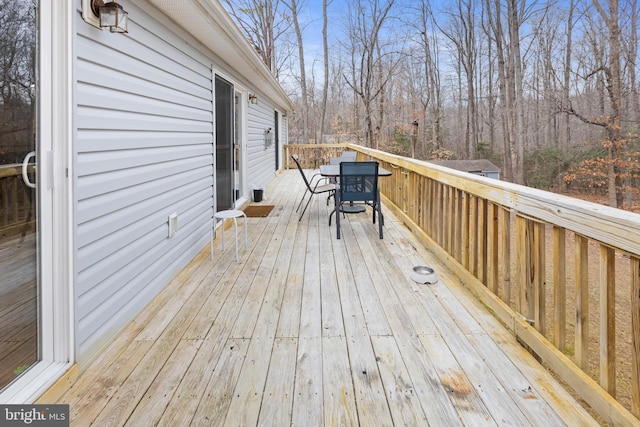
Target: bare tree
column 17, row 79
column 630, row 47
column 325, row 52
column 261, row 24
column 515, row 92
column 511, row 81
column 462, row 35
column 609, row 69
column 426, row 86
column 366, row 21
column 493, row 13
column 567, row 71
column 293, row 7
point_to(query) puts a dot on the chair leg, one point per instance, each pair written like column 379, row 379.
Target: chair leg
column 329, row 197
column 302, row 199
column 337, row 211
column 380, row 220
column 378, row 207
column 305, row 207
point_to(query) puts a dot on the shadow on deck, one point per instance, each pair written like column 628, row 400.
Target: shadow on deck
column 310, row 330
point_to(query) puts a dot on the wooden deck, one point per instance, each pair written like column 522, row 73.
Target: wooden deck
column 309, row 330
column 18, row 306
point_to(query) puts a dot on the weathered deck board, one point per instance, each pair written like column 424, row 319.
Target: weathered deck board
column 310, row 330
column 18, row 306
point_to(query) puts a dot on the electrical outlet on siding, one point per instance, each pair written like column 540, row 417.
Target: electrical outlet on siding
column 173, row 224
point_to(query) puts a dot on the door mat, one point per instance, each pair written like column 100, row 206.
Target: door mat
column 258, row 211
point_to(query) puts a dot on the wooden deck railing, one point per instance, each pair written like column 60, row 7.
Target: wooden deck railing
column 16, row 202
column 561, row 273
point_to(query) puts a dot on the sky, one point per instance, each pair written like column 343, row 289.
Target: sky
column 310, row 19
column 311, row 16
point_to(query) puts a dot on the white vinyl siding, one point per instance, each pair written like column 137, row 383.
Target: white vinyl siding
column 143, row 150
column 261, row 159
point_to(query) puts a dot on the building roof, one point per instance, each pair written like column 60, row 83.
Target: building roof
column 479, row 165
column 209, row 22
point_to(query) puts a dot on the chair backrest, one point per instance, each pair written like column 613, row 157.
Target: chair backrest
column 336, row 160
column 302, row 173
column 348, row 156
column 358, row 181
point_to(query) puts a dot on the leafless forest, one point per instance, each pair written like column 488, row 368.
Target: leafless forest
column 547, row 90
column 17, row 81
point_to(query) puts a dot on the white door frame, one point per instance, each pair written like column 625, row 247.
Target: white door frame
column 55, row 219
column 243, row 94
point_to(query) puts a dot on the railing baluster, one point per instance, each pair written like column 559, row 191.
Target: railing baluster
column 457, row 223
column 560, row 288
column 466, row 207
column 582, row 301
column 524, row 245
column 493, row 256
column 635, row 336
column 537, row 270
column 447, row 224
column 506, row 255
column 433, row 209
column 435, row 218
column 607, row 319
column 15, row 195
column 473, row 235
column 483, row 230
column 4, row 190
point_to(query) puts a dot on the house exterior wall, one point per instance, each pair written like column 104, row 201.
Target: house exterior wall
column 261, row 157
column 143, row 149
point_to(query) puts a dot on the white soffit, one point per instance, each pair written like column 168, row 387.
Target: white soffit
column 209, row 22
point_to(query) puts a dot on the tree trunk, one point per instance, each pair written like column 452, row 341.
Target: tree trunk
column 614, row 89
column 303, row 76
column 567, row 75
column 516, row 96
column 325, row 86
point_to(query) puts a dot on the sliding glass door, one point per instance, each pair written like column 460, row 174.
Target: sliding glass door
column 19, row 231
column 225, row 150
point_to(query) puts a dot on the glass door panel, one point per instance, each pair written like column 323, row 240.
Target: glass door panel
column 224, row 117
column 19, row 324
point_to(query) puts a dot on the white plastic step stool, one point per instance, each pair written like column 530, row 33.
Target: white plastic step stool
column 230, row 214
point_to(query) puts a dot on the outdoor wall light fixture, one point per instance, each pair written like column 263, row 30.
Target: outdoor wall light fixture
column 109, row 15
column 253, row 99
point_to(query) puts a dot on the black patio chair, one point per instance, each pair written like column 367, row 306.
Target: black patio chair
column 313, row 188
column 358, row 183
